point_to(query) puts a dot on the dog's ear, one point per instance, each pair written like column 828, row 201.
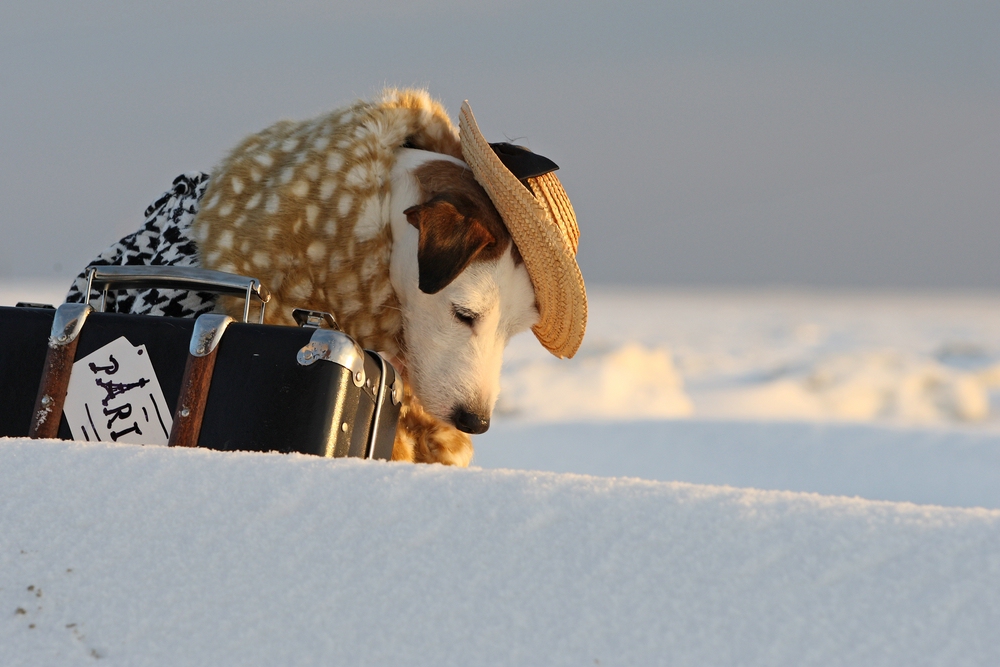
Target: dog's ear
column 449, row 240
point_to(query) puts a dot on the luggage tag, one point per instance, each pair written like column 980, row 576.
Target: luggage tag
column 114, row 396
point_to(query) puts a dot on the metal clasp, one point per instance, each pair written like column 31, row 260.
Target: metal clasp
column 67, row 323
column 314, row 319
column 397, row 388
column 335, row 347
column 207, row 334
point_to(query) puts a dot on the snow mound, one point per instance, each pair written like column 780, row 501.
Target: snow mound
column 152, row 556
column 931, row 466
column 877, row 385
column 904, row 359
column 631, row 381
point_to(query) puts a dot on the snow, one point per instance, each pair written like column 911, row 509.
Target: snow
column 913, row 359
column 934, row 466
column 718, row 478
column 151, row 556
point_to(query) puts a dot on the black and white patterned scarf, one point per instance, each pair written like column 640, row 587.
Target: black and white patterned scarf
column 163, row 240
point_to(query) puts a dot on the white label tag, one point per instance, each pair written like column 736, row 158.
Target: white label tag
column 114, row 396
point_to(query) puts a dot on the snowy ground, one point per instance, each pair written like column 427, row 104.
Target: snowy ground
column 768, row 478
column 910, row 359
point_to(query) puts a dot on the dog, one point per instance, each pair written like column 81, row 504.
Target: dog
column 462, row 286
column 370, row 213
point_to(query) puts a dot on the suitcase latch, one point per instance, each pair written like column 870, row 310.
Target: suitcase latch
column 315, row 319
column 337, row 348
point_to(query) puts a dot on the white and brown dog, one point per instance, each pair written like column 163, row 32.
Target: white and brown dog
column 370, row 213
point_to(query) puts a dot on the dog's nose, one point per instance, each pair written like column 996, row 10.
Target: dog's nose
column 470, row 422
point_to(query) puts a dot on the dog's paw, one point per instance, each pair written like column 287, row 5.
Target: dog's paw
column 422, row 438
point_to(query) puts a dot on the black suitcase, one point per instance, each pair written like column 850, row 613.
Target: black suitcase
column 207, row 382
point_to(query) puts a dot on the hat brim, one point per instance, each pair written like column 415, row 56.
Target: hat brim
column 543, row 226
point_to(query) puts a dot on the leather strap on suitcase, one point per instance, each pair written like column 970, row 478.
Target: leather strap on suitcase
column 66, row 327
column 208, row 330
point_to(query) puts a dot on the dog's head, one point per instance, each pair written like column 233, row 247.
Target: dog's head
column 462, row 286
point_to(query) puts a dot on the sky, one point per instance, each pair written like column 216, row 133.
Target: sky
column 848, row 144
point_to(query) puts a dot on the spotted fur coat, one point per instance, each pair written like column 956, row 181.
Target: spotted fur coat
column 303, row 206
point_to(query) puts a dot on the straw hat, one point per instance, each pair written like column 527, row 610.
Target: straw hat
column 536, row 210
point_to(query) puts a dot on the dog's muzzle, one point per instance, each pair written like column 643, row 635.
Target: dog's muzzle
column 469, row 422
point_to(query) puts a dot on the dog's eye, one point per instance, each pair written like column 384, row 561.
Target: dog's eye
column 464, row 315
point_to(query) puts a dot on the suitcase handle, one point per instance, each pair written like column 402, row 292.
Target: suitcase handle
column 106, row 278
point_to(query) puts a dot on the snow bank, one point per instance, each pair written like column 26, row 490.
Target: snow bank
column 869, row 385
column 639, row 382
column 917, row 359
column 939, row 466
column 150, row 556
column 628, row 382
